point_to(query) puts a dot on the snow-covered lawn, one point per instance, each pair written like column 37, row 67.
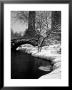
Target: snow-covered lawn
column 49, row 53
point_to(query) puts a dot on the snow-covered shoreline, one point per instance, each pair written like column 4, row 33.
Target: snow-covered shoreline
column 49, row 53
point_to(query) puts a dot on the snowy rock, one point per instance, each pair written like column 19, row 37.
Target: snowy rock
column 56, row 74
column 45, row 68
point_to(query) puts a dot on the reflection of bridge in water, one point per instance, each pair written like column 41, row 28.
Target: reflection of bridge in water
column 17, row 42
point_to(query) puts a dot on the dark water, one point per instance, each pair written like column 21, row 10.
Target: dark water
column 25, row 66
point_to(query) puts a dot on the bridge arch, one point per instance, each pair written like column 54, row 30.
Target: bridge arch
column 17, row 43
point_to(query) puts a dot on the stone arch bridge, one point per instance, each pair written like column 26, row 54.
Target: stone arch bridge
column 17, row 42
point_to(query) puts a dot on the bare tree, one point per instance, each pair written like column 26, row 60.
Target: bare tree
column 42, row 26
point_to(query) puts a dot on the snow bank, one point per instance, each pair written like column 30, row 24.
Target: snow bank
column 28, row 48
column 49, row 53
column 56, row 74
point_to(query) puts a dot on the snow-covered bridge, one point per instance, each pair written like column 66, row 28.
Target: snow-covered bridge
column 17, row 42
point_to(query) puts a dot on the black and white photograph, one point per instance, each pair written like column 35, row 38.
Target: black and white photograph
column 37, row 48
column 35, row 44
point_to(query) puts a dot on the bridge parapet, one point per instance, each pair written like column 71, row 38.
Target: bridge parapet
column 17, row 42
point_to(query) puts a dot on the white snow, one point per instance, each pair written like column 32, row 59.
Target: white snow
column 44, row 68
column 28, row 48
column 56, row 74
column 49, row 53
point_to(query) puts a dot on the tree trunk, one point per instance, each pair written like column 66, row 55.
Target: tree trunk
column 56, row 24
column 31, row 25
column 40, row 41
column 56, row 20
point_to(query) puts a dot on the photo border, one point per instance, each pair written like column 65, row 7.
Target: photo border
column 2, row 2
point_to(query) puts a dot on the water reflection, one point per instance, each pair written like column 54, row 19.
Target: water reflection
column 25, row 66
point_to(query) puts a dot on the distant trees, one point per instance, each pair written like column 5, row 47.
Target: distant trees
column 42, row 25
column 55, row 32
column 15, row 35
column 22, row 16
column 56, row 20
column 56, row 24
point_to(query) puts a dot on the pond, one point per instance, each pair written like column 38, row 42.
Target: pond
column 26, row 66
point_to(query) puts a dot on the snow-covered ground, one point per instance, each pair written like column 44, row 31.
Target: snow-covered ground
column 56, row 74
column 49, row 53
